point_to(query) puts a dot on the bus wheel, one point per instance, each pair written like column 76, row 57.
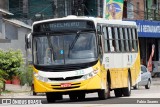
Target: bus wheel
column 103, row 94
column 50, row 97
column 81, row 96
column 73, row 97
column 118, row 92
column 127, row 91
column 34, row 93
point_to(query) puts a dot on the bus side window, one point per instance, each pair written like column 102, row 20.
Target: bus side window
column 106, row 41
column 136, row 38
column 130, row 39
column 119, row 40
column 112, row 48
column 126, row 39
column 120, row 36
column 133, row 38
column 116, row 39
column 135, row 45
column 114, row 45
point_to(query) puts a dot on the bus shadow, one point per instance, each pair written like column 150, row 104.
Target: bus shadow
column 93, row 100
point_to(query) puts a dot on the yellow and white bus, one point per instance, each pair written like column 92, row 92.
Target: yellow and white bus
column 79, row 55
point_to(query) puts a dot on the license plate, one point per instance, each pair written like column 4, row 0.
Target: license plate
column 66, row 85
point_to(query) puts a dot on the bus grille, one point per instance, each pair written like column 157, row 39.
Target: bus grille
column 67, row 78
column 60, row 88
column 73, row 85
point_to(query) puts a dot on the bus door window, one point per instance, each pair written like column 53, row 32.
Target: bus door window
column 120, row 36
column 112, row 48
column 126, row 39
column 106, row 41
column 130, row 39
column 116, row 39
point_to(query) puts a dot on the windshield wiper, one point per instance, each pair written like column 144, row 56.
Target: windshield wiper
column 77, row 36
column 75, row 40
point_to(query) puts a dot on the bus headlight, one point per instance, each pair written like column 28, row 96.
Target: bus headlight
column 43, row 79
column 89, row 75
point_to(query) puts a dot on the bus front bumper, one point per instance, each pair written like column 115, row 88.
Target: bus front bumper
column 94, row 83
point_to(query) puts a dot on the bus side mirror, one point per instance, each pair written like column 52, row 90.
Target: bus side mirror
column 28, row 41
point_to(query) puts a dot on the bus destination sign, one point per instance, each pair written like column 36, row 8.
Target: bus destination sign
column 63, row 25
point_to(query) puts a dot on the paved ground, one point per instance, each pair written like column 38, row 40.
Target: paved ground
column 17, row 88
column 156, row 81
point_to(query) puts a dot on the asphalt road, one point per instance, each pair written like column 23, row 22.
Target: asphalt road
column 140, row 96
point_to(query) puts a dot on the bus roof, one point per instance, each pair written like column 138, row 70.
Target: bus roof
column 96, row 20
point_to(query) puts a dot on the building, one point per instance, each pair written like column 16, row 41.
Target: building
column 134, row 9
column 146, row 14
column 44, row 9
column 12, row 32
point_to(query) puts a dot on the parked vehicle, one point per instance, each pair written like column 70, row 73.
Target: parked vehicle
column 146, row 78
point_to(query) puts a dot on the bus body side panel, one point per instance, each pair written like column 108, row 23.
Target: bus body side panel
column 127, row 62
column 118, row 78
column 137, row 70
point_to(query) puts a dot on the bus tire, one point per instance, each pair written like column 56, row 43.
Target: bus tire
column 118, row 92
column 127, row 91
column 81, row 96
column 104, row 94
column 50, row 97
column 73, row 96
column 34, row 93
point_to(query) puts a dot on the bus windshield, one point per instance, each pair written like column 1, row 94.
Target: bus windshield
column 67, row 48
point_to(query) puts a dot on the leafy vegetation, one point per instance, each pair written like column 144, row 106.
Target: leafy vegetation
column 26, row 75
column 12, row 65
column 10, row 62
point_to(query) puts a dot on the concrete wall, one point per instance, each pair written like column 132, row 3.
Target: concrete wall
column 4, row 4
column 1, row 26
column 18, row 43
column 11, row 31
column 137, row 8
